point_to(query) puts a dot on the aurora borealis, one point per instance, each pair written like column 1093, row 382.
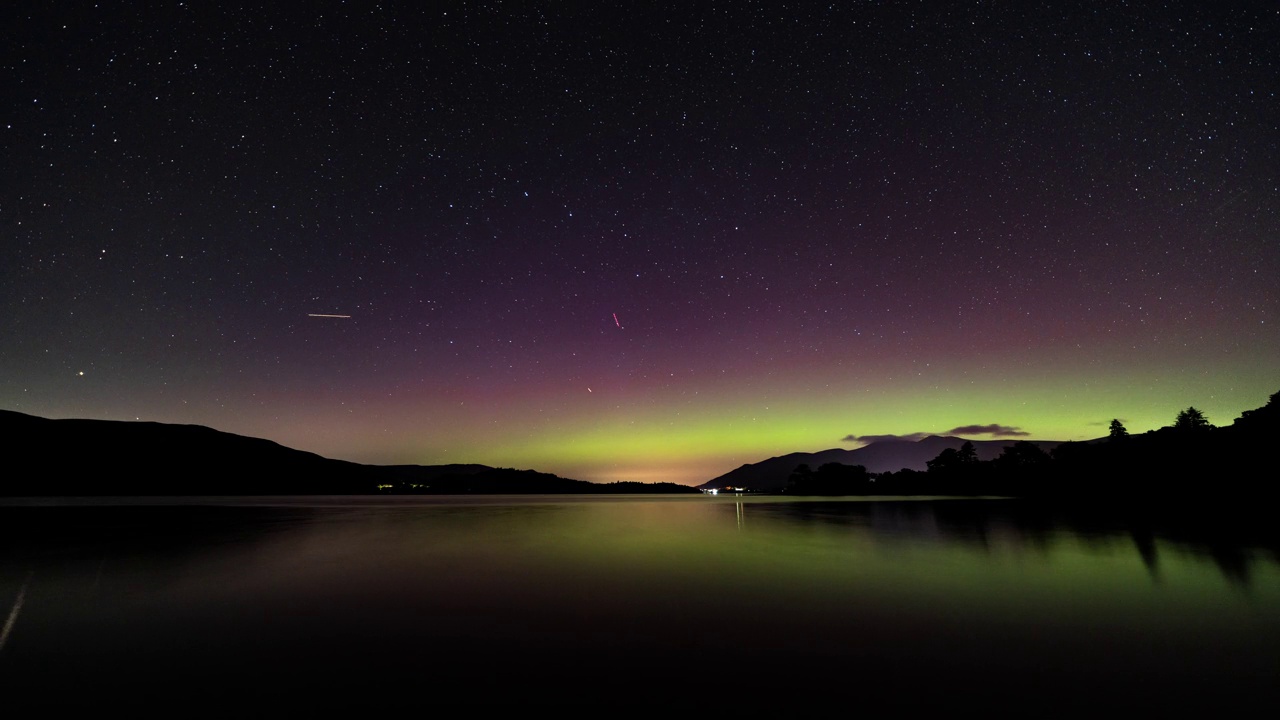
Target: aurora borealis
column 638, row 241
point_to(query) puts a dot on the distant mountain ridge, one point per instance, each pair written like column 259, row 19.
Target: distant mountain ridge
column 105, row 457
column 883, row 456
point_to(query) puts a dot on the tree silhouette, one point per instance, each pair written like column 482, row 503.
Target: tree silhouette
column 1022, row 455
column 1191, row 419
column 829, row 479
column 953, row 460
column 1118, row 430
column 1264, row 418
column 800, row 477
column 945, row 461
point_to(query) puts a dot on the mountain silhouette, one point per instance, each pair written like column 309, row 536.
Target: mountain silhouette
column 882, row 456
column 105, row 457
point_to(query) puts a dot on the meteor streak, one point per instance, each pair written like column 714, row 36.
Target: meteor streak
column 328, row 316
column 615, row 321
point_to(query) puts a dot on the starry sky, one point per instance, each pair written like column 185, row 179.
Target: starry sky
column 638, row 241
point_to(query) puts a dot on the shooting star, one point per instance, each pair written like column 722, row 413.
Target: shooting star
column 615, row 321
column 326, row 316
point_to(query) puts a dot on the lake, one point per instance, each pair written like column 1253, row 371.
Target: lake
column 613, row 603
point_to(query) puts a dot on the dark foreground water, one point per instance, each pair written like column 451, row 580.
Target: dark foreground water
column 616, row 604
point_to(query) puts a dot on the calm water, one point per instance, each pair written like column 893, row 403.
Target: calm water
column 623, row 602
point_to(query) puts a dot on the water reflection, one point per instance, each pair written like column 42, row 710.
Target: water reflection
column 994, row 525
column 488, row 596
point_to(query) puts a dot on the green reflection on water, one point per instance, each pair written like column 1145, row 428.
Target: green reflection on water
column 970, row 590
column 736, row 557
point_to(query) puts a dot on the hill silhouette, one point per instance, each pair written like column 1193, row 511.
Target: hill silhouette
column 1190, row 463
column 104, row 457
column 879, row 457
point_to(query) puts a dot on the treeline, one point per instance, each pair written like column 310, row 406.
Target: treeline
column 1188, row 459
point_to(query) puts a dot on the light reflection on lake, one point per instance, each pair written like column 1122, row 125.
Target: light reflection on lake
column 588, row 599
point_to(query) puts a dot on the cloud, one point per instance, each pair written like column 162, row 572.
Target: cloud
column 868, row 439
column 994, row 430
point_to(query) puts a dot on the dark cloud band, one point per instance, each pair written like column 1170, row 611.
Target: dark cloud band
column 992, row 429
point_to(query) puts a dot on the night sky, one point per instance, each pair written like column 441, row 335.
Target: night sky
column 642, row 242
